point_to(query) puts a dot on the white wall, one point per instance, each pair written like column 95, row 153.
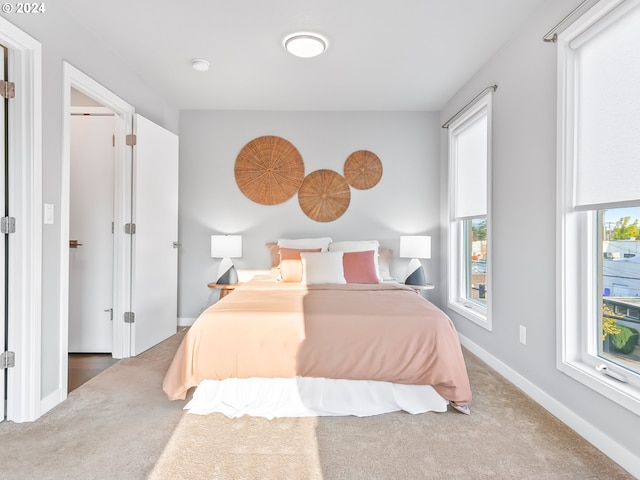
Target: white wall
column 404, row 201
column 64, row 39
column 524, row 225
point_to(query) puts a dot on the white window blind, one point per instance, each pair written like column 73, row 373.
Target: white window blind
column 607, row 122
column 471, row 154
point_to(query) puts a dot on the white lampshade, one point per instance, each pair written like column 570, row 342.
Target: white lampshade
column 415, row 246
column 226, row 246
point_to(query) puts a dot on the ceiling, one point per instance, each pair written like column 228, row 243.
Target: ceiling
column 383, row 54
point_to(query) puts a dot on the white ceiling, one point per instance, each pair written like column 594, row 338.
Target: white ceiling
column 382, row 55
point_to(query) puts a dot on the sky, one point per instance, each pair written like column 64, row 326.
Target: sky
column 615, row 214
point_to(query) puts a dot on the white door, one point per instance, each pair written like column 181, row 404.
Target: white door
column 154, row 296
column 3, row 239
column 91, row 214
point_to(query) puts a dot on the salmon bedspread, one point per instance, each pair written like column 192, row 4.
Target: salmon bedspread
column 385, row 332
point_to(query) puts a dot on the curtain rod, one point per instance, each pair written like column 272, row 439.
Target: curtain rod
column 463, row 109
column 551, row 35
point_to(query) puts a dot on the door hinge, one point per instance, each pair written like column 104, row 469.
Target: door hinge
column 131, row 140
column 129, row 228
column 8, row 225
column 7, row 89
column 7, row 360
column 129, row 317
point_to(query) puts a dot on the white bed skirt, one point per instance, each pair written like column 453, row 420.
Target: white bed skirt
column 311, row 397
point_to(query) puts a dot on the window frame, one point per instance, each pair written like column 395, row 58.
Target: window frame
column 578, row 316
column 458, row 281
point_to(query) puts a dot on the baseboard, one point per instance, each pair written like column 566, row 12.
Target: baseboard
column 52, row 400
column 185, row 321
column 616, row 451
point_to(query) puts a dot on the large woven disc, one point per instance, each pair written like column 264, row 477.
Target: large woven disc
column 269, row 170
column 324, row 195
column 363, row 169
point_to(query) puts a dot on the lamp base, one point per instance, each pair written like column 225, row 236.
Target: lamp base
column 227, row 274
column 415, row 273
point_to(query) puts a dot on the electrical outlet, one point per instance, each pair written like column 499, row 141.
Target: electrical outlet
column 523, row 334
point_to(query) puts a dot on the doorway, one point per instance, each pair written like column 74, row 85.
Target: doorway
column 143, row 229
column 94, row 250
column 91, row 243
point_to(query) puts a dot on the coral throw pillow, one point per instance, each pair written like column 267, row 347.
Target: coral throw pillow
column 359, row 267
column 291, row 263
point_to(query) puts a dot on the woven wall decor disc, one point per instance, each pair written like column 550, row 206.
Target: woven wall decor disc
column 269, row 170
column 324, row 195
column 363, row 169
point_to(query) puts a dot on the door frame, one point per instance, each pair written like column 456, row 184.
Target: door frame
column 72, row 77
column 24, row 401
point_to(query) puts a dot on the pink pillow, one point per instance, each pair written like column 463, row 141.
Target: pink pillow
column 291, row 263
column 359, row 267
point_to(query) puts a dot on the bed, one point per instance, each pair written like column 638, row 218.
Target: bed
column 320, row 346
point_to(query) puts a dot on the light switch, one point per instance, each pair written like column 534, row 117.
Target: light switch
column 48, row 214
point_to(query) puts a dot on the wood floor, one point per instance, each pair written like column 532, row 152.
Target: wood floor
column 84, row 366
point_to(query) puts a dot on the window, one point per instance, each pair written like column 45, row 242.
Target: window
column 599, row 200
column 476, row 259
column 469, row 165
column 619, row 261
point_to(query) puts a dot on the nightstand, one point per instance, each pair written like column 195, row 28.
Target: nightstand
column 420, row 288
column 225, row 288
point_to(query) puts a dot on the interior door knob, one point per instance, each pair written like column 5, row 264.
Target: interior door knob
column 74, row 244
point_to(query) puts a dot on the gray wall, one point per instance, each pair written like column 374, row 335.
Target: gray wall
column 524, row 223
column 64, row 39
column 405, row 201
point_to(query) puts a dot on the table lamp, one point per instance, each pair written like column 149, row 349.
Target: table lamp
column 226, row 247
column 415, row 247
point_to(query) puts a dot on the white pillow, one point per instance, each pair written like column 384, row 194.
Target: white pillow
column 322, row 267
column 359, row 246
column 354, row 245
column 300, row 243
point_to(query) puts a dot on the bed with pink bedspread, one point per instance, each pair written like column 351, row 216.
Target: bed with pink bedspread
column 383, row 333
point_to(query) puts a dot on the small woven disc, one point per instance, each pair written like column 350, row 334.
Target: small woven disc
column 363, row 169
column 324, row 195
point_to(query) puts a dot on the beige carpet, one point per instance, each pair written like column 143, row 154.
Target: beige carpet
column 120, row 426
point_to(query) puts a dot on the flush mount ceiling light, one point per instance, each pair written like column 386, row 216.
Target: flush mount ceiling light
column 200, row 64
column 305, row 45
